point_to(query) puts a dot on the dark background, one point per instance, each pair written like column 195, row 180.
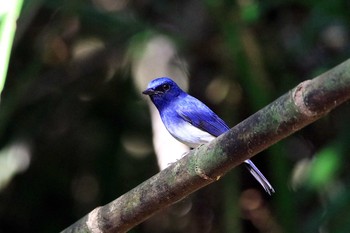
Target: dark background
column 70, row 112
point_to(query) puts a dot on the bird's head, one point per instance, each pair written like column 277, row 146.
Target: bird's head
column 163, row 91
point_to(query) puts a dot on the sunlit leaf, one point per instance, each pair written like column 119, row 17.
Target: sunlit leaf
column 325, row 167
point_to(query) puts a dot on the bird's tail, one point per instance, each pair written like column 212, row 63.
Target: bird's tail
column 259, row 176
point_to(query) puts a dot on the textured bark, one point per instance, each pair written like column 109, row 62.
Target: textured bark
column 301, row 106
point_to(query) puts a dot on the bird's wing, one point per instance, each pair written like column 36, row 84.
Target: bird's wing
column 200, row 116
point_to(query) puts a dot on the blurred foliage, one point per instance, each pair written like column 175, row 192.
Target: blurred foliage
column 8, row 15
column 75, row 132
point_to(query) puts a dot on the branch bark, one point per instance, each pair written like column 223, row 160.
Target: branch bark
column 304, row 104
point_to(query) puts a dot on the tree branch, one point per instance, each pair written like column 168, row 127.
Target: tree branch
column 301, row 106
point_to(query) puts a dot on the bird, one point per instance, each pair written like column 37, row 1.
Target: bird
column 190, row 121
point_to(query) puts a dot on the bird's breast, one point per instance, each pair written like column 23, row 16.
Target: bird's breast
column 187, row 133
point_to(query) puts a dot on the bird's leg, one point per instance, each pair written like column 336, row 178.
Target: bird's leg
column 183, row 155
column 186, row 153
column 197, row 148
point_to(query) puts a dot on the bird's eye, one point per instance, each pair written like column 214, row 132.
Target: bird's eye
column 166, row 87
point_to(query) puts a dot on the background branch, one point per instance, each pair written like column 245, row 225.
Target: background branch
column 301, row 106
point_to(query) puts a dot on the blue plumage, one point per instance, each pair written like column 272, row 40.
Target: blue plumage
column 190, row 121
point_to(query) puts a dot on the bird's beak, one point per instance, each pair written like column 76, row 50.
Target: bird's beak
column 150, row 91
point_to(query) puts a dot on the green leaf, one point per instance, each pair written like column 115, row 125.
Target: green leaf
column 8, row 15
column 325, row 167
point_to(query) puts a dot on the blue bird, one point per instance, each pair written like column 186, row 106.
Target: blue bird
column 190, row 121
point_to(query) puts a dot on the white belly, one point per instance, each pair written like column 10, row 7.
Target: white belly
column 189, row 135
